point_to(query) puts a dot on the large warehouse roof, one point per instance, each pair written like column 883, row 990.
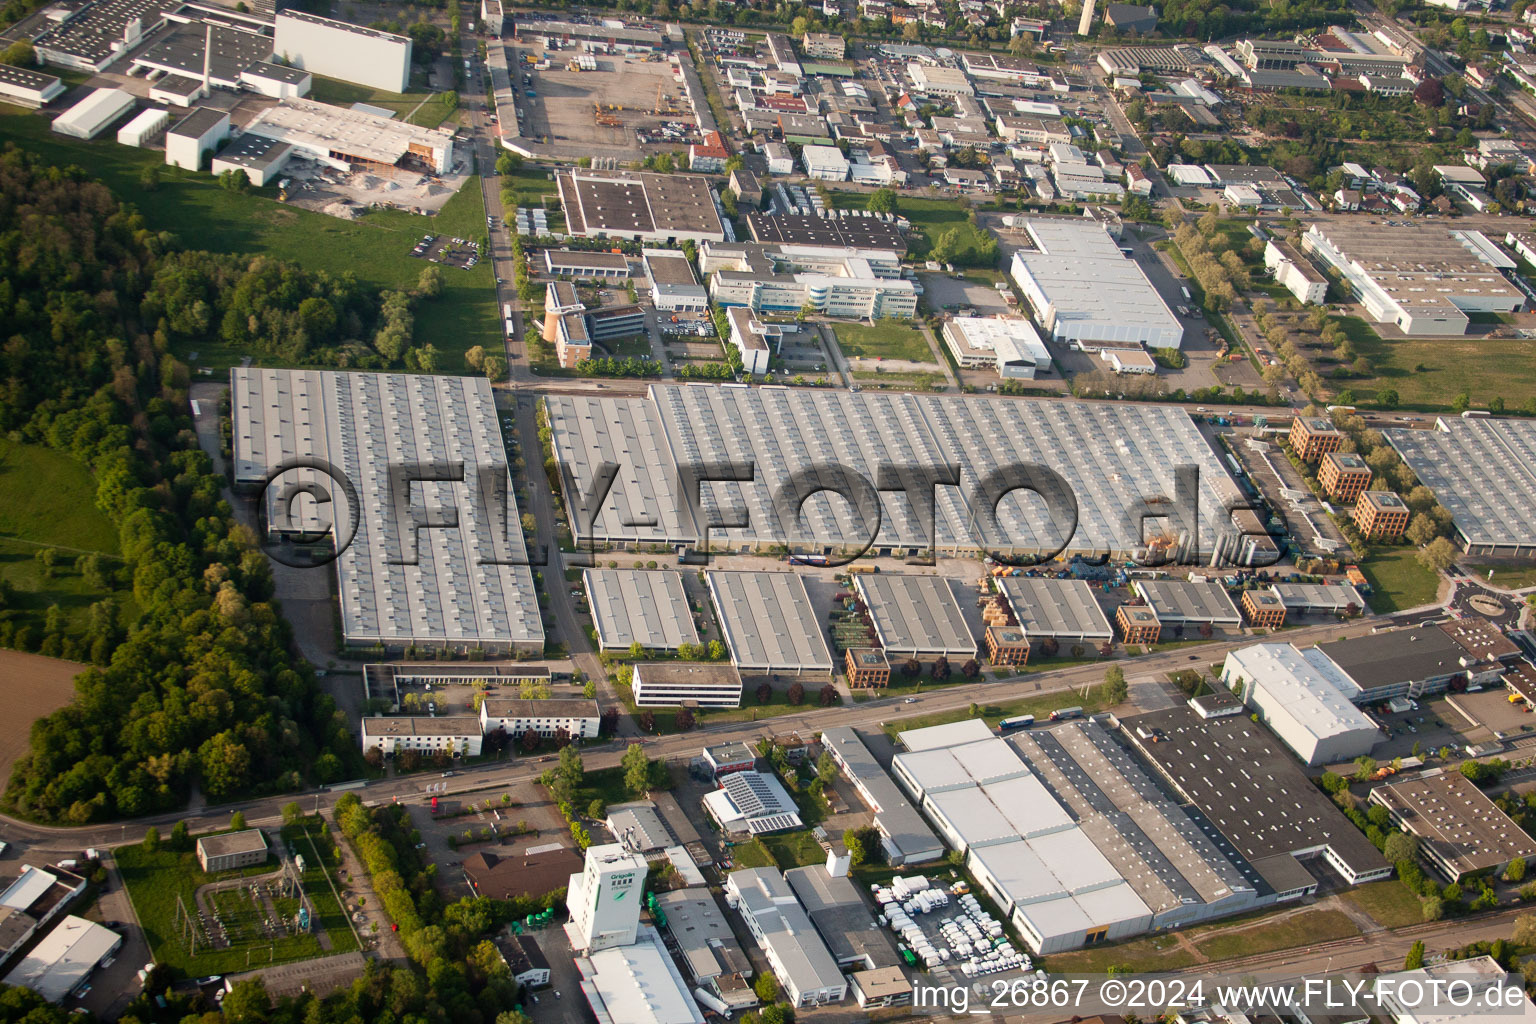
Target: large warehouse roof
column 356, row 134
column 1312, row 691
column 1112, row 458
column 1185, row 601
column 1395, row 656
column 768, row 622
column 1083, row 288
column 1483, row 470
column 1252, row 791
column 65, row 958
column 1064, row 609
column 1461, row 829
column 639, row 205
column 916, row 615
column 462, row 590
column 635, row 606
column 940, row 769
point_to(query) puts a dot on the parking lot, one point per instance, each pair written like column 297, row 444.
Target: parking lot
column 603, row 113
column 452, row 252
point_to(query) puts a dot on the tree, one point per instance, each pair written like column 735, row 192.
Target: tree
column 1422, row 529
column 495, row 369
column 152, row 840
column 1523, row 933
column 828, row 696
column 764, row 693
column 796, row 695
column 881, row 200
column 149, row 178
column 1462, row 402
column 1365, row 767
column 293, row 813
column 181, row 840
column 450, row 99
column 19, row 54
column 1430, row 93
column 1400, row 847
column 1415, row 958
column 766, row 986
column 684, row 719
column 637, row 770
column 1115, row 688
column 1515, row 873
column 237, row 821
column 1437, row 555
column 912, row 668
column 246, row 1003
column 971, row 669
column 647, row 720
column 826, row 768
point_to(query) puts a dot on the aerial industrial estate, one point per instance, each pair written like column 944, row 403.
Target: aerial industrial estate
column 770, row 513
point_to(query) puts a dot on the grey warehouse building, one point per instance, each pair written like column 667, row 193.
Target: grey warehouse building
column 768, row 622
column 1117, row 460
column 1483, row 470
column 636, row 606
column 916, row 615
column 904, row 834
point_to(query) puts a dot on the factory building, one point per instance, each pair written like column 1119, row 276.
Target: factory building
column 800, row 960
column 916, row 616
column 337, row 49
column 24, row 87
column 91, row 116
column 852, row 283
column 674, row 286
column 1011, row 346
column 904, row 836
column 1293, row 270
column 1483, row 470
column 347, row 139
column 660, row 208
column 1303, row 698
column 1086, row 293
column 194, row 138
column 1460, row 830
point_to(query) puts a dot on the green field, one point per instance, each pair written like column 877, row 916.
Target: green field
column 1390, row 903
column 420, row 108
column 47, row 498
column 930, row 217
column 1485, row 368
column 887, row 339
column 1227, row 942
column 793, row 849
column 61, row 515
column 375, row 248
column 154, row 880
column 1398, row 581
column 1515, row 577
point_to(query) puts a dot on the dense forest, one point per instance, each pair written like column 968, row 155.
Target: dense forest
column 202, row 690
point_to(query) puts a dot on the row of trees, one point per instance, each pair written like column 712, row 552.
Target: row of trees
column 201, row 687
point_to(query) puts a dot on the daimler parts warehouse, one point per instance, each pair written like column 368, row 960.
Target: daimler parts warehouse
column 1107, row 463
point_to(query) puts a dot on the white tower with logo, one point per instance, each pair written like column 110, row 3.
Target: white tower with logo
column 604, row 900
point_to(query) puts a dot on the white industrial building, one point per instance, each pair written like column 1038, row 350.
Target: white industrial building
column 1021, row 844
column 64, row 960
column 904, row 835
column 454, row 735
column 465, row 587
column 1301, row 695
column 754, row 803
column 674, row 287
column 604, row 900
column 578, row 718
column 276, row 81
column 1085, row 292
column 143, row 127
column 1423, row 279
column 825, row 163
column 781, row 159
column 1009, row 345
column 668, row 684
column 851, row 283
column 27, row 88
column 637, row 984
column 337, row 49
column 346, row 138
column 936, row 80
column 1295, row 272
column 262, row 159
column 88, row 118
column 754, row 341
column 800, row 959
column 195, row 136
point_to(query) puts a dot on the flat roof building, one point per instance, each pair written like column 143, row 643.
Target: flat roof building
column 674, row 286
column 644, row 207
column 1319, row 598
column 1063, row 610
column 1009, row 345
column 1460, row 830
column 262, row 159
column 705, row 942
column 199, row 49
column 916, row 615
column 752, row 802
column 1381, row 515
column 1312, row 437
column 1303, row 698
column 453, row 735
column 1422, row 279
column 1138, row 624
column 1294, row 271
column 1114, row 457
column 1190, row 603
column 1086, row 293
column 1256, row 796
column 800, row 960
column 230, row 850
column 586, row 266
column 470, row 588
column 1343, row 475
column 638, row 827
column 339, row 49
column 577, row 717
column 27, row 88
column 94, row 35
column 768, row 622
column 855, row 283
column 842, row 918
column 904, row 834
column 1483, row 471
column 1413, row 662
column 63, row 961
column 635, row 606
column 347, row 139
column 832, row 232
column 191, row 140
column 1263, row 609
column 667, row 684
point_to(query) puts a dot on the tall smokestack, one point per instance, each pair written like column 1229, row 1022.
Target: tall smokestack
column 208, row 54
column 1085, row 23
